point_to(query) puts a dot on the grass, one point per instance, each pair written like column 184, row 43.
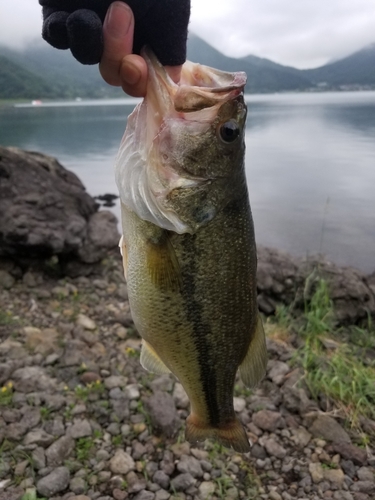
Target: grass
column 31, row 494
column 340, row 373
column 84, row 448
column 6, row 395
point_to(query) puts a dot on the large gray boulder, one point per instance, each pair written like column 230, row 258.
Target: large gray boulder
column 45, row 211
column 290, row 280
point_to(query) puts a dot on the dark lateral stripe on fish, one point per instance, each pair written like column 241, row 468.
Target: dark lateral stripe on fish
column 201, row 331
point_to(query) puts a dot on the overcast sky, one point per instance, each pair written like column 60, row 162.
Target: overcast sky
column 300, row 33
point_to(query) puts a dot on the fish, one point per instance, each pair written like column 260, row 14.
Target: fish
column 188, row 242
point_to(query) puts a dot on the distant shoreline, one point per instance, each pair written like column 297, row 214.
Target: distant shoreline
column 132, row 101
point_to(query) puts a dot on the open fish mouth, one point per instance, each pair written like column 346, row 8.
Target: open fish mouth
column 149, row 165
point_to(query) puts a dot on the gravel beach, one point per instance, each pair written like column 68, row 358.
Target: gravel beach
column 81, row 419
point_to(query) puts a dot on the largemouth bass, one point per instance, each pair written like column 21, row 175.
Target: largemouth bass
column 188, row 242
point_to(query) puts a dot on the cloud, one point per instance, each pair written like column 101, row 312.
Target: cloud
column 304, row 33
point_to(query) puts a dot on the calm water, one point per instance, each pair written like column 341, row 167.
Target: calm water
column 310, row 164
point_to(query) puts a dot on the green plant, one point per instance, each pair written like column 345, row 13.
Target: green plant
column 31, row 494
column 117, row 440
column 84, row 448
column 6, row 394
column 340, row 375
column 6, row 318
column 45, row 412
column 223, row 485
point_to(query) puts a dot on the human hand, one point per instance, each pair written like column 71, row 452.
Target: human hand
column 116, row 43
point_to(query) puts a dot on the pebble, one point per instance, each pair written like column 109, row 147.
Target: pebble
column 182, row 482
column 86, row 322
column 133, row 451
column 54, row 482
column 121, row 463
column 80, row 429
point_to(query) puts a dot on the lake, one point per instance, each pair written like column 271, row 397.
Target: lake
column 310, row 164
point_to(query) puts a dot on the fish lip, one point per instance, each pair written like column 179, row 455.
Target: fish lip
column 200, row 86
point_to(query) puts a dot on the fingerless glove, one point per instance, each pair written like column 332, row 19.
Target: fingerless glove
column 78, row 25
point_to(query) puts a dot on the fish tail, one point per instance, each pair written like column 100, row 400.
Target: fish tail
column 232, row 435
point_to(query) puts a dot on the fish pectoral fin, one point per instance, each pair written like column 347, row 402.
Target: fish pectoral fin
column 124, row 254
column 151, row 361
column 253, row 367
column 162, row 263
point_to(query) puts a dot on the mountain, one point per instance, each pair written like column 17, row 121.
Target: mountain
column 263, row 75
column 17, row 82
column 356, row 69
column 41, row 72
column 63, row 75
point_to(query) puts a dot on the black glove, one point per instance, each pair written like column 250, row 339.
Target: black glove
column 78, row 25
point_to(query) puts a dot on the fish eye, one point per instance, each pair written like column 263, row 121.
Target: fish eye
column 229, row 131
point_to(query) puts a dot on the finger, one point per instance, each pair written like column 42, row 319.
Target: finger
column 133, row 74
column 118, row 30
column 54, row 29
column 85, row 36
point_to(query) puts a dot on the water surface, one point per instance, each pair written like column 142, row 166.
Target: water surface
column 310, row 164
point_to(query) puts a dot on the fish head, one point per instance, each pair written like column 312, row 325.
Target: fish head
column 183, row 140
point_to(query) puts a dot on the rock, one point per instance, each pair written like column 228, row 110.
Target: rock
column 31, row 417
column 45, row 211
column 115, row 381
column 86, row 322
column 277, row 372
column 180, row 396
column 239, row 404
column 161, row 479
column 132, row 391
column 273, row 448
column 316, row 472
column 5, row 370
column 274, row 496
column 101, row 236
column 364, row 486
column 145, row 495
column 328, row 428
column 267, row 420
column 335, row 476
column 121, row 463
column 54, row 482
column 44, row 341
column 59, row 451
column 162, row 495
column 6, row 280
column 78, row 485
column 351, row 452
column 365, row 474
column 295, row 400
column 15, row 431
column 32, row 378
column 301, row 437
column 38, row 458
column 279, row 275
column 80, row 429
column 38, row 437
column 163, row 414
column 206, row 489
column 189, row 464
column 182, row 482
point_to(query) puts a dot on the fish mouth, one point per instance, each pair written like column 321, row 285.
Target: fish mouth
column 200, row 87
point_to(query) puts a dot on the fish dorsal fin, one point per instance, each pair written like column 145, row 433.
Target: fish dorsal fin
column 253, row 367
column 151, row 361
column 162, row 263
